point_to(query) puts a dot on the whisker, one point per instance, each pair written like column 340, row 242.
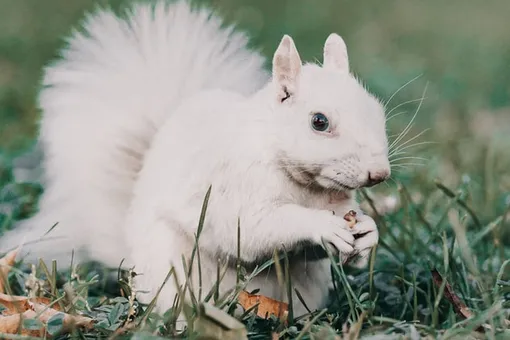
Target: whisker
column 406, row 165
column 408, row 157
column 401, row 150
column 395, row 115
column 411, row 139
column 400, row 89
column 397, row 154
column 394, row 135
column 391, row 178
column 404, row 103
column 403, row 133
column 399, row 171
column 410, row 124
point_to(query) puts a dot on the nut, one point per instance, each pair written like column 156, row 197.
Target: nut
column 350, row 217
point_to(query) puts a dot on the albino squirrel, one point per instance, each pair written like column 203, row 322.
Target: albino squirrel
column 142, row 114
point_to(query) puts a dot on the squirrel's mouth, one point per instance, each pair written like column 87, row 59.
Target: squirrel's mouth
column 313, row 177
column 332, row 183
column 315, row 181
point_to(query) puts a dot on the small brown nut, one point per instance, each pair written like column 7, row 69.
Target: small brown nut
column 350, row 217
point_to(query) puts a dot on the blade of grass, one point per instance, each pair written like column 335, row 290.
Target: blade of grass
column 310, row 323
column 459, row 201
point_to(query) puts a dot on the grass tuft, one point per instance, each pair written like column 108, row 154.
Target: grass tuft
column 441, row 271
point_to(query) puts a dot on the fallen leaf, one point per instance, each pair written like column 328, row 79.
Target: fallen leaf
column 69, row 321
column 6, row 264
column 19, row 304
column 33, row 315
column 19, row 308
column 12, row 324
column 13, row 304
column 266, row 305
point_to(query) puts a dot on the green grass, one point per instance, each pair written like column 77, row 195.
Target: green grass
column 453, row 208
column 442, row 230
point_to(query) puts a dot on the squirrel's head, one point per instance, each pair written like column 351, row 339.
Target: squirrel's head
column 331, row 131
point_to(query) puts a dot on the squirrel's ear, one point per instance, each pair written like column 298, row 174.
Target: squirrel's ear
column 335, row 53
column 286, row 68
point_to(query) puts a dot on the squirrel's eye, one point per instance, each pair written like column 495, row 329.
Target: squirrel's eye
column 320, row 122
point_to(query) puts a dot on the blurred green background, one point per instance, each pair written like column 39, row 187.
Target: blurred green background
column 460, row 48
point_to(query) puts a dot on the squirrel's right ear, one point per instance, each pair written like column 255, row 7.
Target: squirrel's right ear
column 286, row 68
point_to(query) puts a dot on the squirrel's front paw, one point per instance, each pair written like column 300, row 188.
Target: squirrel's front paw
column 338, row 238
column 366, row 237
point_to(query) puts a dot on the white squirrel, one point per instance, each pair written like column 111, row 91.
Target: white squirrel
column 143, row 114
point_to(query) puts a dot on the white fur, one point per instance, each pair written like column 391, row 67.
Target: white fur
column 103, row 102
column 142, row 118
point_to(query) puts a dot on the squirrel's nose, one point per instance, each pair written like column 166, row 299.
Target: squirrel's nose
column 377, row 176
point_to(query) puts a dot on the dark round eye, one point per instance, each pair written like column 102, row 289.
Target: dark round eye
column 320, row 122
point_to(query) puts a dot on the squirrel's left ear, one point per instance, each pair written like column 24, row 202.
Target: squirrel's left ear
column 335, row 53
column 286, row 69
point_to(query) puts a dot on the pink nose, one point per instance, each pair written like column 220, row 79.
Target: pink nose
column 377, row 176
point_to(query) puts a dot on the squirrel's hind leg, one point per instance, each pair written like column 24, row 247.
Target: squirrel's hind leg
column 313, row 281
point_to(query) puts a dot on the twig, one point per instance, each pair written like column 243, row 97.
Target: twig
column 458, row 305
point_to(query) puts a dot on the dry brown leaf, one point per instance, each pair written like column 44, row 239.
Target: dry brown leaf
column 19, row 304
column 18, row 308
column 6, row 264
column 9, row 258
column 13, row 304
column 69, row 321
column 12, row 323
column 266, row 307
column 21, row 307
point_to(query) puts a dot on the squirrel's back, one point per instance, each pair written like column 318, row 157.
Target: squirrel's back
column 103, row 101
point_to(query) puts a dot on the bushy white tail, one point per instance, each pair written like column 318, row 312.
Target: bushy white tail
column 102, row 103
